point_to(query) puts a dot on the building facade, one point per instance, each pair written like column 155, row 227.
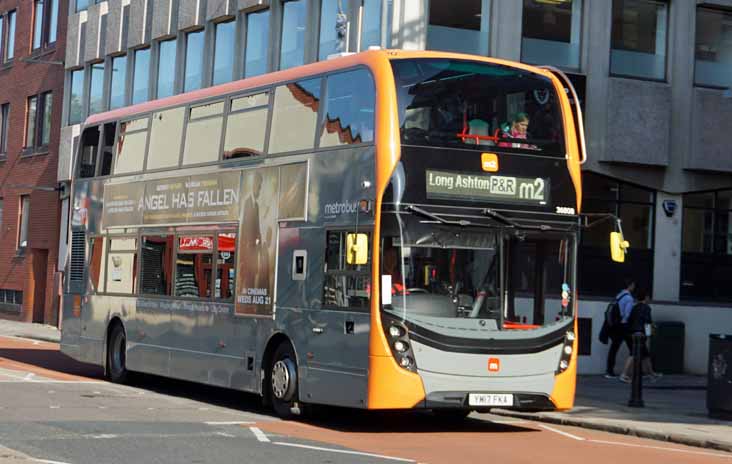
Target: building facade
column 32, row 50
column 654, row 77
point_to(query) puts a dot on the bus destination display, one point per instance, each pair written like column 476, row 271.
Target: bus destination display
column 475, row 187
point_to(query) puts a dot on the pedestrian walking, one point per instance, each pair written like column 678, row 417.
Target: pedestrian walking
column 616, row 319
column 639, row 322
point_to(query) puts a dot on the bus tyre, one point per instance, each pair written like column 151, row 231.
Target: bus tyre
column 283, row 381
column 451, row 415
column 117, row 355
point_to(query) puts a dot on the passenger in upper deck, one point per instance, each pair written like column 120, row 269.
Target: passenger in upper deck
column 517, row 129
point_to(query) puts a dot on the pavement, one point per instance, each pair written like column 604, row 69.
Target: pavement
column 675, row 405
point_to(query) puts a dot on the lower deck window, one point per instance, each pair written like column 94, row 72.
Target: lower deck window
column 156, row 264
column 194, row 266
column 121, row 267
column 346, row 285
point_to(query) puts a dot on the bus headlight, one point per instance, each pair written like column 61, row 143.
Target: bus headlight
column 400, row 346
column 570, row 336
column 398, row 336
column 405, row 362
column 563, row 365
column 395, row 331
column 567, row 349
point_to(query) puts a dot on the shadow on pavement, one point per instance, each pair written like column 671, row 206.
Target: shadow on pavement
column 51, row 359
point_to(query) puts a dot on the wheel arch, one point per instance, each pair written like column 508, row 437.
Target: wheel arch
column 113, row 322
column 275, row 340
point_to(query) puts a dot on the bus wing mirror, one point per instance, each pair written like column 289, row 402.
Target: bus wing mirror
column 358, row 249
column 618, row 247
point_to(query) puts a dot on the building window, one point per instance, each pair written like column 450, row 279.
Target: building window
column 333, row 28
column 166, row 68
column 194, row 61
column 1, row 213
column 551, row 33
column 141, row 76
column 76, row 110
column 713, row 53
column 38, row 120
column 4, row 115
column 23, row 221
column 292, row 45
column 117, row 82
column 370, row 23
column 45, row 23
column 82, row 5
column 639, row 38
column 11, row 299
column 255, row 58
column 96, row 88
column 635, row 206
column 225, row 39
column 458, row 27
column 7, row 41
column 706, row 258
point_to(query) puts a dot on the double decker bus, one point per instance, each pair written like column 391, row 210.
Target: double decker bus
column 383, row 230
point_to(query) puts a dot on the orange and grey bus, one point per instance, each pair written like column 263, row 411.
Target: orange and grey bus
column 383, row 230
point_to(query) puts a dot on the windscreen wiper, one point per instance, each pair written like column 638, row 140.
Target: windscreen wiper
column 499, row 217
column 434, row 217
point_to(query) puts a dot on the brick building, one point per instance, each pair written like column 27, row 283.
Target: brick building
column 32, row 49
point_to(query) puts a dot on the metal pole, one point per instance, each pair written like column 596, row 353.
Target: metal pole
column 636, row 391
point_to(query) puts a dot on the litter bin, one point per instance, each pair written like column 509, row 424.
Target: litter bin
column 719, row 376
column 667, row 347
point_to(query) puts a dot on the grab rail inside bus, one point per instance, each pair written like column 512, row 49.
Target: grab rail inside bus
column 580, row 123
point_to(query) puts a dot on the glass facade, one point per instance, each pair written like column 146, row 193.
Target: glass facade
column 194, row 61
column 224, row 52
column 458, row 27
column 713, row 50
column 141, row 76
column 96, row 88
column 551, row 33
column 255, row 59
column 166, row 68
column 76, row 110
column 639, row 38
column 371, row 23
column 333, row 28
column 118, row 82
column 292, row 48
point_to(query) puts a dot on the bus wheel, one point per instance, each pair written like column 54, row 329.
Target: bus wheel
column 451, row 415
column 116, row 355
column 283, row 381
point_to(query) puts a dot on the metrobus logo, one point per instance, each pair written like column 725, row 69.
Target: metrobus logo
column 489, row 162
column 494, row 364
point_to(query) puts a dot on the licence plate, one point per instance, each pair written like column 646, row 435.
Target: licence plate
column 490, row 399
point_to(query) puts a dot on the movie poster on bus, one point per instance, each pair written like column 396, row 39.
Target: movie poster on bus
column 293, row 191
column 257, row 242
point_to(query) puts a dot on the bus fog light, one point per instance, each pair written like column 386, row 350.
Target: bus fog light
column 563, row 364
column 568, row 349
column 400, row 346
column 570, row 336
column 405, row 361
column 395, row 331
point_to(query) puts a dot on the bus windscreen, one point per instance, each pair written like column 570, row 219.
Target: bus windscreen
column 473, row 105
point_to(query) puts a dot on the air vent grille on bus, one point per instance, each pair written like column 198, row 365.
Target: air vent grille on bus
column 78, row 251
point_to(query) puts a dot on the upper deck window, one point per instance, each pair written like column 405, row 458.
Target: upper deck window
column 131, row 146
column 295, row 116
column 246, row 126
column 463, row 104
column 349, row 109
column 165, row 138
column 203, row 134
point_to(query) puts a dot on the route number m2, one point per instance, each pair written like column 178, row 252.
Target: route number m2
column 532, row 190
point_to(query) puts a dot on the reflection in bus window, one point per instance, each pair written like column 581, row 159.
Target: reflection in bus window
column 295, row 116
column 194, row 266
column 165, row 138
column 156, row 259
column 89, row 147
column 203, row 133
column 349, row 109
column 453, row 103
column 246, row 126
column 346, row 285
column 131, row 146
column 121, row 266
column 110, row 130
column 226, row 267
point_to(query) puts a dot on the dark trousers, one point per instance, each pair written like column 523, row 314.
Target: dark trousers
column 617, row 337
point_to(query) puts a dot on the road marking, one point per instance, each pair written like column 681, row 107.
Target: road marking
column 552, row 429
column 55, row 407
column 663, row 448
column 224, row 434
column 259, row 434
column 331, row 450
column 103, row 436
column 29, row 376
column 228, row 422
column 509, row 421
column 46, row 461
column 42, row 382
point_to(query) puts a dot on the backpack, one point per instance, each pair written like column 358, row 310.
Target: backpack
column 612, row 314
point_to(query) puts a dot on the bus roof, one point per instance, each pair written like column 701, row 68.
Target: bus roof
column 371, row 58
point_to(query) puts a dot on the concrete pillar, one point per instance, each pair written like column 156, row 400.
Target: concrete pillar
column 505, row 33
column 667, row 249
column 409, row 24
